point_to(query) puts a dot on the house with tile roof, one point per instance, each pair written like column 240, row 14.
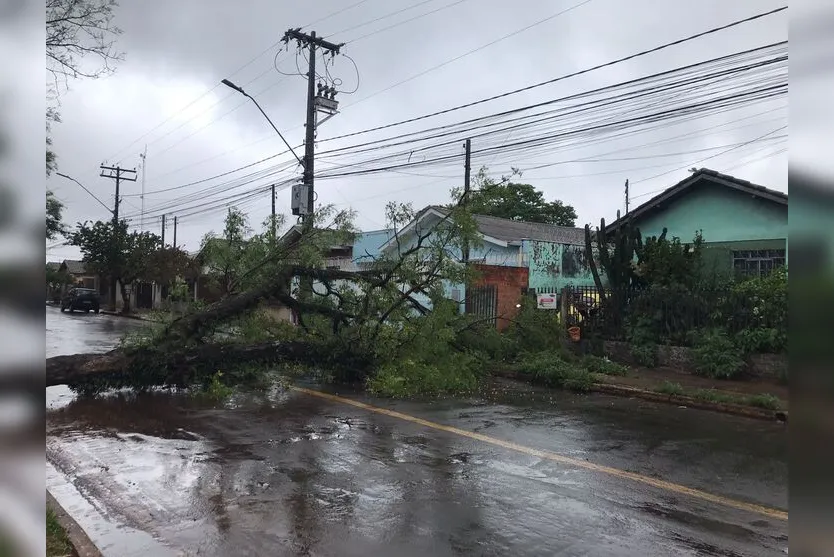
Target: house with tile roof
column 512, row 258
column 744, row 225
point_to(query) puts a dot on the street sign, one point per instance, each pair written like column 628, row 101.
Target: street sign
column 547, row 301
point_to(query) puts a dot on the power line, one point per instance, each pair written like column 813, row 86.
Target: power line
column 409, row 20
column 237, row 71
column 508, row 112
column 754, row 92
column 563, row 77
column 755, row 139
column 465, row 54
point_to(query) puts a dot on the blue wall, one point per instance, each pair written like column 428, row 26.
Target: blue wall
column 723, row 214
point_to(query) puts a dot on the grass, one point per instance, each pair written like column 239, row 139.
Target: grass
column 764, row 400
column 669, row 388
column 57, row 542
column 550, row 369
column 604, row 366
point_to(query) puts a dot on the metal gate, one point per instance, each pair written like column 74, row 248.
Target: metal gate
column 143, row 293
column 482, row 301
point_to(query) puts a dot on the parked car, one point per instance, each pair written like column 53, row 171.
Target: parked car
column 80, row 299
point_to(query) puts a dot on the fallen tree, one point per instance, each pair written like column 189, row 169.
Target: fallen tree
column 351, row 322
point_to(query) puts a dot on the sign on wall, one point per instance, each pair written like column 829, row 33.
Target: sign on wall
column 547, row 301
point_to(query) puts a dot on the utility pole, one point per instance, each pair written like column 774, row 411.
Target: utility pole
column 144, row 157
column 175, row 232
column 163, row 231
column 272, row 224
column 467, row 170
column 116, row 173
column 314, row 102
column 626, row 196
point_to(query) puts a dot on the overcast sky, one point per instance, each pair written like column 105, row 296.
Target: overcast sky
column 177, row 52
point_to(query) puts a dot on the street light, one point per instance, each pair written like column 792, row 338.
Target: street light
column 240, row 90
column 109, row 210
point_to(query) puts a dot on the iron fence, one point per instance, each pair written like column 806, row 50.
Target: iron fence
column 668, row 314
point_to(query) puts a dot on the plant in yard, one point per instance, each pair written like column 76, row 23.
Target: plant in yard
column 57, row 542
column 669, row 388
column 642, row 344
column 553, row 371
column 715, row 355
column 761, row 340
column 604, row 366
column 711, row 395
column 764, row 400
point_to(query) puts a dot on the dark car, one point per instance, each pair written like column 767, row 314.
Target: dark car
column 80, row 299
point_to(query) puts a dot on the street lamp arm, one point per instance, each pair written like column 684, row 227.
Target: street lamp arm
column 109, row 210
column 240, row 90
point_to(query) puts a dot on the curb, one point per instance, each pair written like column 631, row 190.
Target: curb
column 680, row 400
column 736, row 409
column 128, row 316
column 84, row 547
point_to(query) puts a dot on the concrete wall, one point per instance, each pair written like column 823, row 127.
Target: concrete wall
column 554, row 266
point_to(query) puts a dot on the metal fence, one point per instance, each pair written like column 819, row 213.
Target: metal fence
column 482, row 301
column 667, row 314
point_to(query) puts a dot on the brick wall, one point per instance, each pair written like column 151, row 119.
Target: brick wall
column 511, row 282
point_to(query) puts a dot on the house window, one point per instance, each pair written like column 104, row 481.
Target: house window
column 758, row 263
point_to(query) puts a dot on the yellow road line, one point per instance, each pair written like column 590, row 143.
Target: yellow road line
column 616, row 472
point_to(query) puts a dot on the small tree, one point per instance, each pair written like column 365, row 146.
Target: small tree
column 515, row 201
column 116, row 253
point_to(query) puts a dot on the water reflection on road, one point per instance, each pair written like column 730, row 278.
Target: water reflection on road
column 281, row 473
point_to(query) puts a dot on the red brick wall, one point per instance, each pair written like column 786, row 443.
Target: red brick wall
column 511, row 282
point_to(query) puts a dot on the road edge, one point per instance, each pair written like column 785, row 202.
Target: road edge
column 79, row 539
column 679, row 400
column 682, row 400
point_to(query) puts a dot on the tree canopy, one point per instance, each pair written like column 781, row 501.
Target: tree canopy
column 516, row 201
column 80, row 43
column 54, row 210
column 112, row 251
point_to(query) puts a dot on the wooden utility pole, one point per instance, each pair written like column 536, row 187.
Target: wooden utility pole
column 116, row 173
column 626, row 196
column 144, row 157
column 272, row 224
column 163, row 231
column 467, row 170
column 312, row 43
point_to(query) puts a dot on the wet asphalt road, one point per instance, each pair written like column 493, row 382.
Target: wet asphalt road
column 285, row 473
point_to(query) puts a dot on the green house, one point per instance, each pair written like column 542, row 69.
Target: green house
column 744, row 225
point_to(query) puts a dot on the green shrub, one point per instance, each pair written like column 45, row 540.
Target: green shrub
column 760, row 340
column 715, row 355
column 552, row 370
column 711, row 395
column 765, row 400
column 412, row 377
column 641, row 341
column 535, row 330
column 595, row 364
column 669, row 388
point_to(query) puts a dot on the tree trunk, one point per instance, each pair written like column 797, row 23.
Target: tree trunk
column 125, row 298
column 180, row 366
